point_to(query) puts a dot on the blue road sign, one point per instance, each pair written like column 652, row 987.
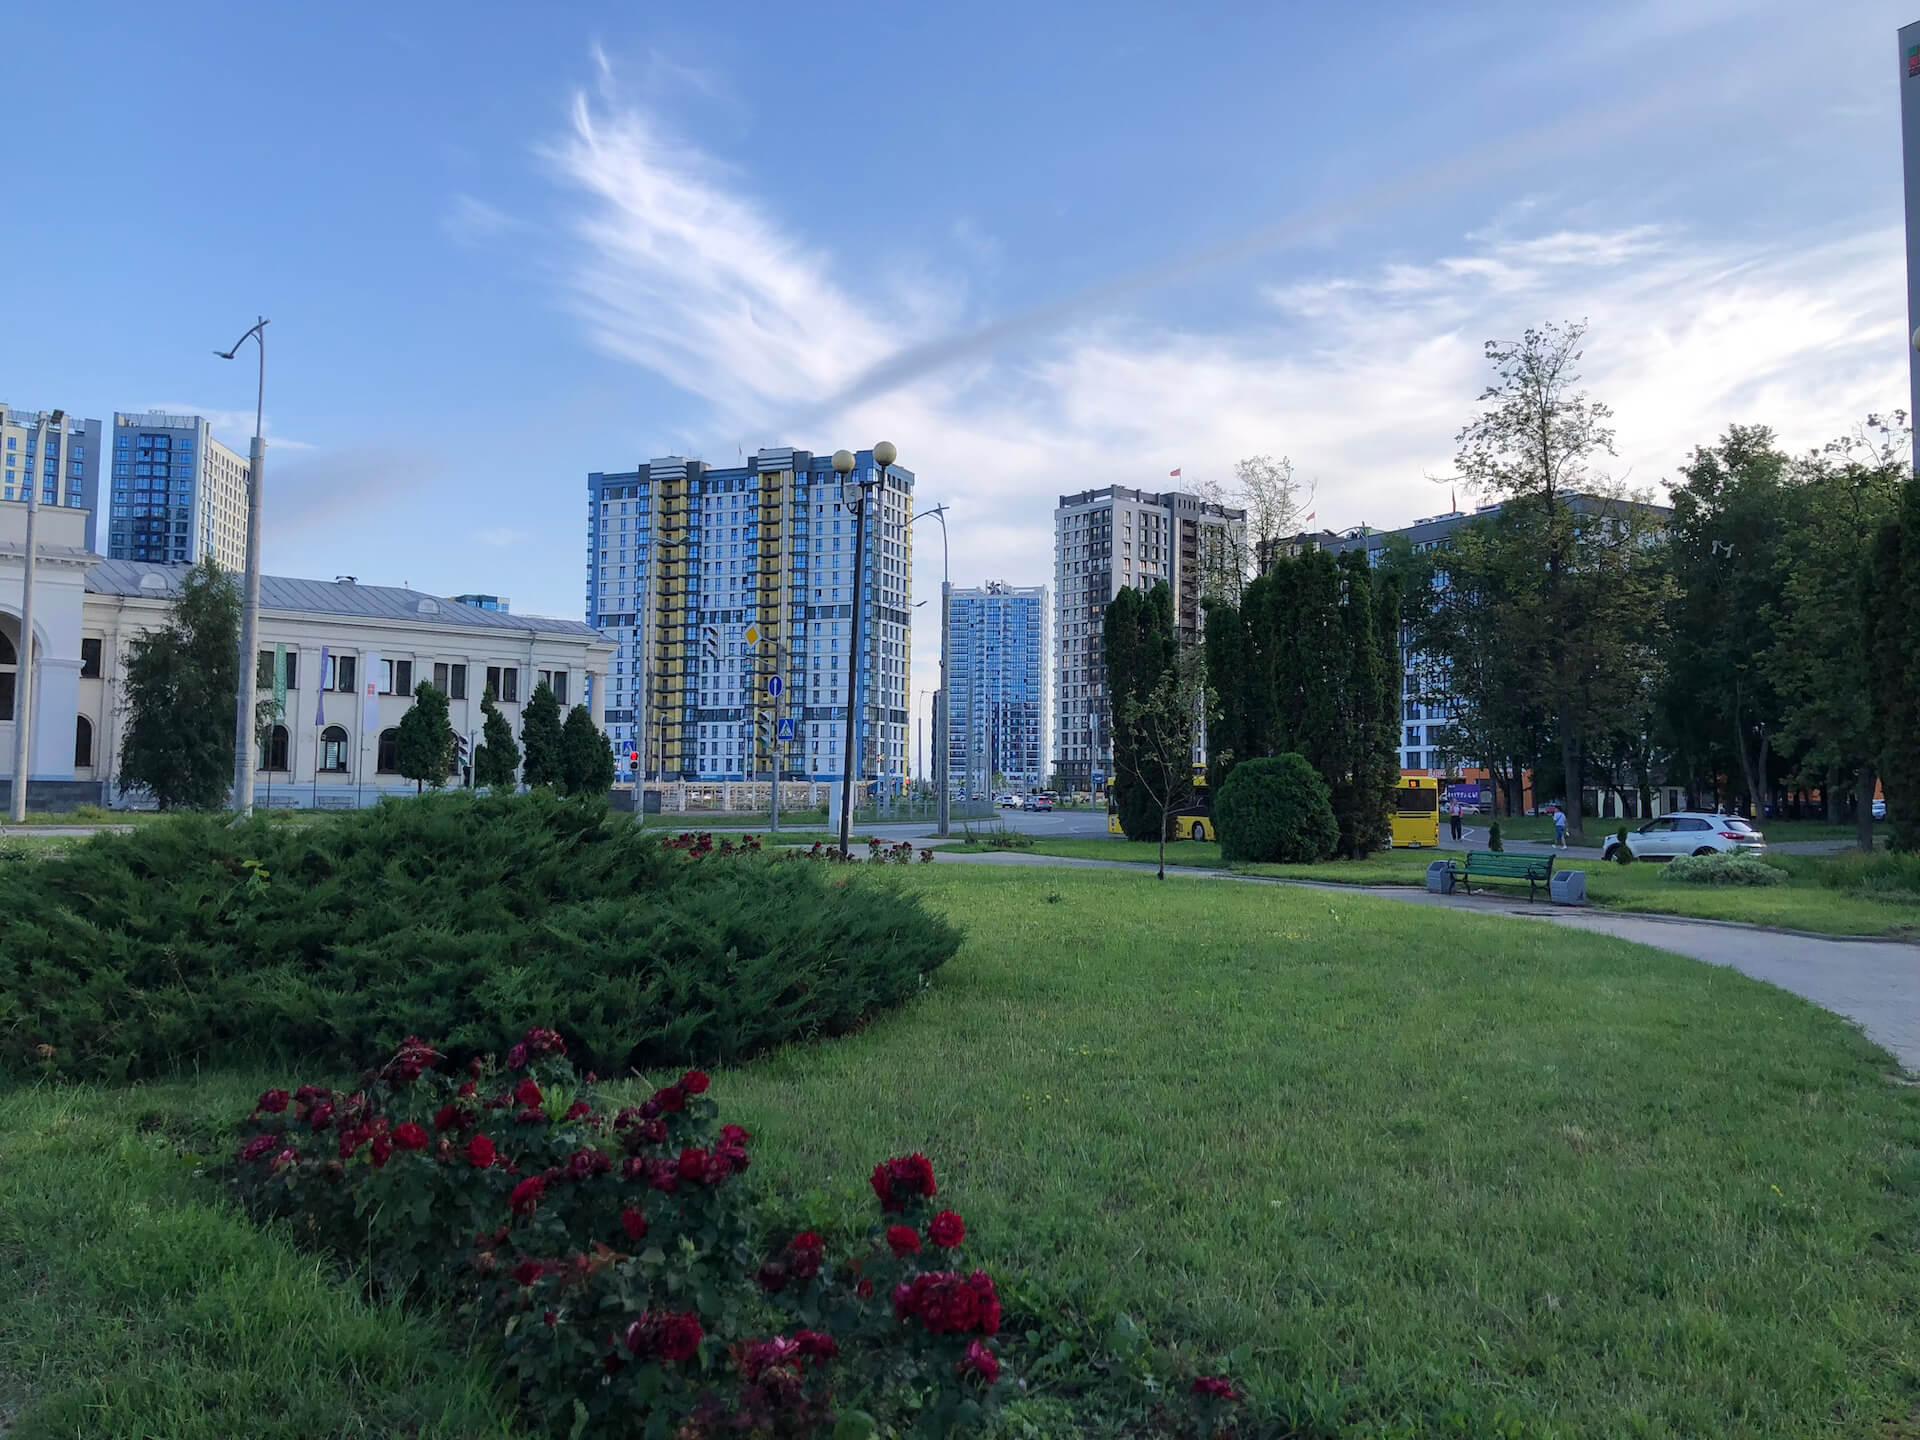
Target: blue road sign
column 785, row 731
column 775, row 685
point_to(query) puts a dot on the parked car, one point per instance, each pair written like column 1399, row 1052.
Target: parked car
column 1008, row 801
column 1879, row 809
column 1689, row 832
column 1039, row 802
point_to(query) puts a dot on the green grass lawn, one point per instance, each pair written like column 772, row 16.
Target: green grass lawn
column 1401, row 1156
column 140, row 1305
column 1804, row 903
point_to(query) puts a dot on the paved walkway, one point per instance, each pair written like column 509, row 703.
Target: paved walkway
column 1874, row 983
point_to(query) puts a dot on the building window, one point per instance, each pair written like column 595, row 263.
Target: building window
column 263, row 674
column 82, row 743
column 396, row 677
column 9, row 667
column 89, row 659
column 340, row 674
column 273, row 753
column 556, row 681
column 504, row 682
column 450, row 680
column 333, row 750
column 387, row 760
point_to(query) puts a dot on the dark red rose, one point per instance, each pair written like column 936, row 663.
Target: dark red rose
column 322, row 1116
column 718, row 1168
column 1216, row 1387
column 410, row 1136
column 578, row 1110
column 468, row 1090
column 259, row 1148
column 446, row 1117
column 864, row 1289
column 583, row 1164
column 773, row 1277
column 695, row 1082
column 734, row 1135
column 816, row 1346
column 634, row 1223
column 771, row 1354
column 517, row 1058
column 527, row 1094
column 670, row 1098
column 352, row 1138
column 806, row 1253
column 898, row 1181
column 654, row 1131
column 949, row 1305
column 733, row 1159
column 528, row 1272
column 481, row 1152
column 284, row 1159
column 947, row 1230
column 663, row 1175
column 274, row 1101
column 693, row 1165
column 381, row 1150
column 552, row 1318
column 979, row 1362
column 671, row 1338
column 525, row 1198
column 903, row 1240
column 530, row 1117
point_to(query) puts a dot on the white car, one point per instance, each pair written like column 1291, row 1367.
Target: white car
column 1689, row 832
column 1007, row 801
column 1879, row 811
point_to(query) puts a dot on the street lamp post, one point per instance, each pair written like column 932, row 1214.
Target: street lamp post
column 243, row 722
column 23, row 686
column 884, row 454
column 943, row 741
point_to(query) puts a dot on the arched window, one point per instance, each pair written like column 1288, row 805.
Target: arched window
column 273, row 753
column 9, row 668
column 82, row 743
column 388, row 759
column 333, row 750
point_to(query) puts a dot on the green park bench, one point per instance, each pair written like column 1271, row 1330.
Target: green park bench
column 1536, row 870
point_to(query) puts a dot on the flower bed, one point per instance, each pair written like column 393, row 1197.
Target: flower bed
column 614, row 1259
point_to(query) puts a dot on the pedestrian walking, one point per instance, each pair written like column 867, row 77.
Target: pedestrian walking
column 1560, row 826
column 1453, row 814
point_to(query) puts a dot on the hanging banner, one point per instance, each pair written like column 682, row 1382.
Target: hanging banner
column 370, row 694
column 320, row 690
column 279, row 682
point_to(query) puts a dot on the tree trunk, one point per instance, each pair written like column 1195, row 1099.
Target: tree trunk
column 1570, row 779
column 1765, row 797
column 1863, row 808
column 1163, row 844
column 1830, row 793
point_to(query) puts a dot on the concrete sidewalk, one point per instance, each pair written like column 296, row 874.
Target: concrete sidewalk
column 1874, row 983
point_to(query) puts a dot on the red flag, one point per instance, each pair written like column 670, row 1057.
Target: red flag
column 1173, row 474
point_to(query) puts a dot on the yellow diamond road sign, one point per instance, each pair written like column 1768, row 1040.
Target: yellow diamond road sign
column 753, row 634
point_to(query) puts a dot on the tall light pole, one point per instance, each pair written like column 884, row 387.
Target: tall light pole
column 243, row 722
column 884, row 454
column 942, row 741
column 23, row 686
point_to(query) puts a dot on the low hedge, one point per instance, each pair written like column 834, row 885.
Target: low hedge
column 1723, row 870
column 203, row 940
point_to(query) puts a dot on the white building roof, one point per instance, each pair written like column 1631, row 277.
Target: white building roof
column 139, row 580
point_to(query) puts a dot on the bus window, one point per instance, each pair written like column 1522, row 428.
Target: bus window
column 1410, row 801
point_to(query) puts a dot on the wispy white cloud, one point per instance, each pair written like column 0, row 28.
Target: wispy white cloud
column 472, row 221
column 1363, row 374
column 500, row 537
column 233, row 428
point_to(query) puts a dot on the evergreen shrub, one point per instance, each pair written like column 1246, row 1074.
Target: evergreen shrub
column 201, row 940
column 1278, row 810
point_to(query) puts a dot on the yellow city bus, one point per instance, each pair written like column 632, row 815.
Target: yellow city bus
column 1416, row 813
column 1189, row 822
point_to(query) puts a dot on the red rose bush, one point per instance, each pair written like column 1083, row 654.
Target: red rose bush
column 613, row 1257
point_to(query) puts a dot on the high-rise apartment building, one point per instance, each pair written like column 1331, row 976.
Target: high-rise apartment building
column 69, row 471
column 1104, row 540
column 685, row 559
column 176, row 494
column 997, row 673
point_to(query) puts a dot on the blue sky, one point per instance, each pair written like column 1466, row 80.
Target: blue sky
column 503, row 245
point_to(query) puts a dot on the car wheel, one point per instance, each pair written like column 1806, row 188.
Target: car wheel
column 1609, row 850
column 1705, row 850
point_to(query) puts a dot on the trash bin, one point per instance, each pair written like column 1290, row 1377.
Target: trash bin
column 1568, row 887
column 1440, row 877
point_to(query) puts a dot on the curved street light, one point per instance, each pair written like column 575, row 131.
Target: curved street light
column 244, row 723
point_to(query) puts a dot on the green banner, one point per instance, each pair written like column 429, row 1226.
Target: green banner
column 279, row 682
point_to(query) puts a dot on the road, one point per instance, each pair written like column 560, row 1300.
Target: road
column 1874, row 983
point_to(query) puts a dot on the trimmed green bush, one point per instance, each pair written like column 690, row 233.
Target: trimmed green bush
column 200, row 940
column 1722, row 870
column 1277, row 810
column 1494, row 842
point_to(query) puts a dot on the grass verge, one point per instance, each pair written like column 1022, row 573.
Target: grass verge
column 1410, row 1161
column 141, row 1305
column 1810, row 901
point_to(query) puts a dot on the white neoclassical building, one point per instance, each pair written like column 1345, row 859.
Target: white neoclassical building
column 351, row 655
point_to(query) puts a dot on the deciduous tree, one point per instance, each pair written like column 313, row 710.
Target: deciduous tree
column 182, row 681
